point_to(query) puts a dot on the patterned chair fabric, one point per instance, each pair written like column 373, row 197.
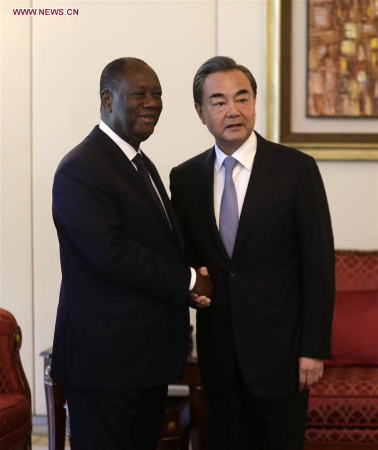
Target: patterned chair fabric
column 356, row 271
column 15, row 399
column 343, row 406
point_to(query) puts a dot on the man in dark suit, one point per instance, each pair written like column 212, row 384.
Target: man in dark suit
column 255, row 215
column 122, row 324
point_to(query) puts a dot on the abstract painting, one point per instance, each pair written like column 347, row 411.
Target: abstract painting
column 342, row 62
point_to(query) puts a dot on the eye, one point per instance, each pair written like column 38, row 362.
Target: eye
column 157, row 94
column 243, row 100
column 138, row 93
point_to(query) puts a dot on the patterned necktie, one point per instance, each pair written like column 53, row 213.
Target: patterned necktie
column 143, row 172
column 229, row 217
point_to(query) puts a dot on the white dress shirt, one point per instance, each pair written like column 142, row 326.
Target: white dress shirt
column 130, row 152
column 245, row 156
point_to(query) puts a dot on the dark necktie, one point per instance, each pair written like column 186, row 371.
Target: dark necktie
column 143, row 172
column 229, row 217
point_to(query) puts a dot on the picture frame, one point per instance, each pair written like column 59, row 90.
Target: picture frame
column 281, row 116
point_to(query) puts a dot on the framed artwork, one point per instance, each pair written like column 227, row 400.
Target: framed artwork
column 342, row 58
column 322, row 85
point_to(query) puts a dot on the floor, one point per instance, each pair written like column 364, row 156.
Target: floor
column 339, row 447
column 40, row 442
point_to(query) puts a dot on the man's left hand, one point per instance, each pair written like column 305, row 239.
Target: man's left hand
column 196, row 301
column 199, row 301
column 310, row 372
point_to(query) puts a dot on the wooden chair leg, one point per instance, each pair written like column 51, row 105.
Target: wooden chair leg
column 28, row 443
column 56, row 415
column 169, row 444
column 175, row 428
column 185, row 439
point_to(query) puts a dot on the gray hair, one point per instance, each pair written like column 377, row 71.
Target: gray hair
column 218, row 64
column 113, row 72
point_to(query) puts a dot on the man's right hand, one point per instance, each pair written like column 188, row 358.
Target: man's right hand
column 199, row 296
column 203, row 285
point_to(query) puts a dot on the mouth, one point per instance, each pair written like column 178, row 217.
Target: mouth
column 148, row 118
column 234, row 126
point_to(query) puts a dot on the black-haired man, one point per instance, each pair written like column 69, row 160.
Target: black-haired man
column 122, row 324
column 255, row 215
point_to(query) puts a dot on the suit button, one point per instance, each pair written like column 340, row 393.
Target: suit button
column 232, row 272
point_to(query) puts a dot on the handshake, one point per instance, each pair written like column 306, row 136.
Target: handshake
column 199, row 296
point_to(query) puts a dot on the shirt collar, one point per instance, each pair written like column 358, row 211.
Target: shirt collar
column 244, row 154
column 129, row 151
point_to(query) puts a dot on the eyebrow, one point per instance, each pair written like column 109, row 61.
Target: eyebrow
column 242, row 91
column 219, row 94
column 144, row 86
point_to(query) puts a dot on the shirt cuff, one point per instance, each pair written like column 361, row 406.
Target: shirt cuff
column 193, row 279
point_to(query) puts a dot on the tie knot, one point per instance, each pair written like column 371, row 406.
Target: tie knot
column 229, row 164
column 138, row 161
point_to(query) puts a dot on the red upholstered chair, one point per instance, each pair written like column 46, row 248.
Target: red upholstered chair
column 15, row 399
column 343, row 406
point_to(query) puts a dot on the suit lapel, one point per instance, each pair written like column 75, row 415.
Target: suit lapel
column 204, row 186
column 261, row 180
column 167, row 203
column 125, row 168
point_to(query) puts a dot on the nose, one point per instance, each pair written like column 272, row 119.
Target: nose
column 151, row 102
column 232, row 109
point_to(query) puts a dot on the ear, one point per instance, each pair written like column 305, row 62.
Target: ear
column 106, row 100
column 254, row 105
column 200, row 113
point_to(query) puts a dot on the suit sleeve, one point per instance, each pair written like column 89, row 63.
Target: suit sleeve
column 86, row 213
column 317, row 262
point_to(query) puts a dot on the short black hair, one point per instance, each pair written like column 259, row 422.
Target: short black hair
column 113, row 72
column 218, row 64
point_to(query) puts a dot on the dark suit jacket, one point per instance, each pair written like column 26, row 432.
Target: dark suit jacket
column 273, row 301
column 122, row 320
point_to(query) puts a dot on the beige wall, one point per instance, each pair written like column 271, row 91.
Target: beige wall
column 49, row 86
column 16, row 224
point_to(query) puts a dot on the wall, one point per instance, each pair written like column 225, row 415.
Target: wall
column 16, row 216
column 49, row 84
column 352, row 190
